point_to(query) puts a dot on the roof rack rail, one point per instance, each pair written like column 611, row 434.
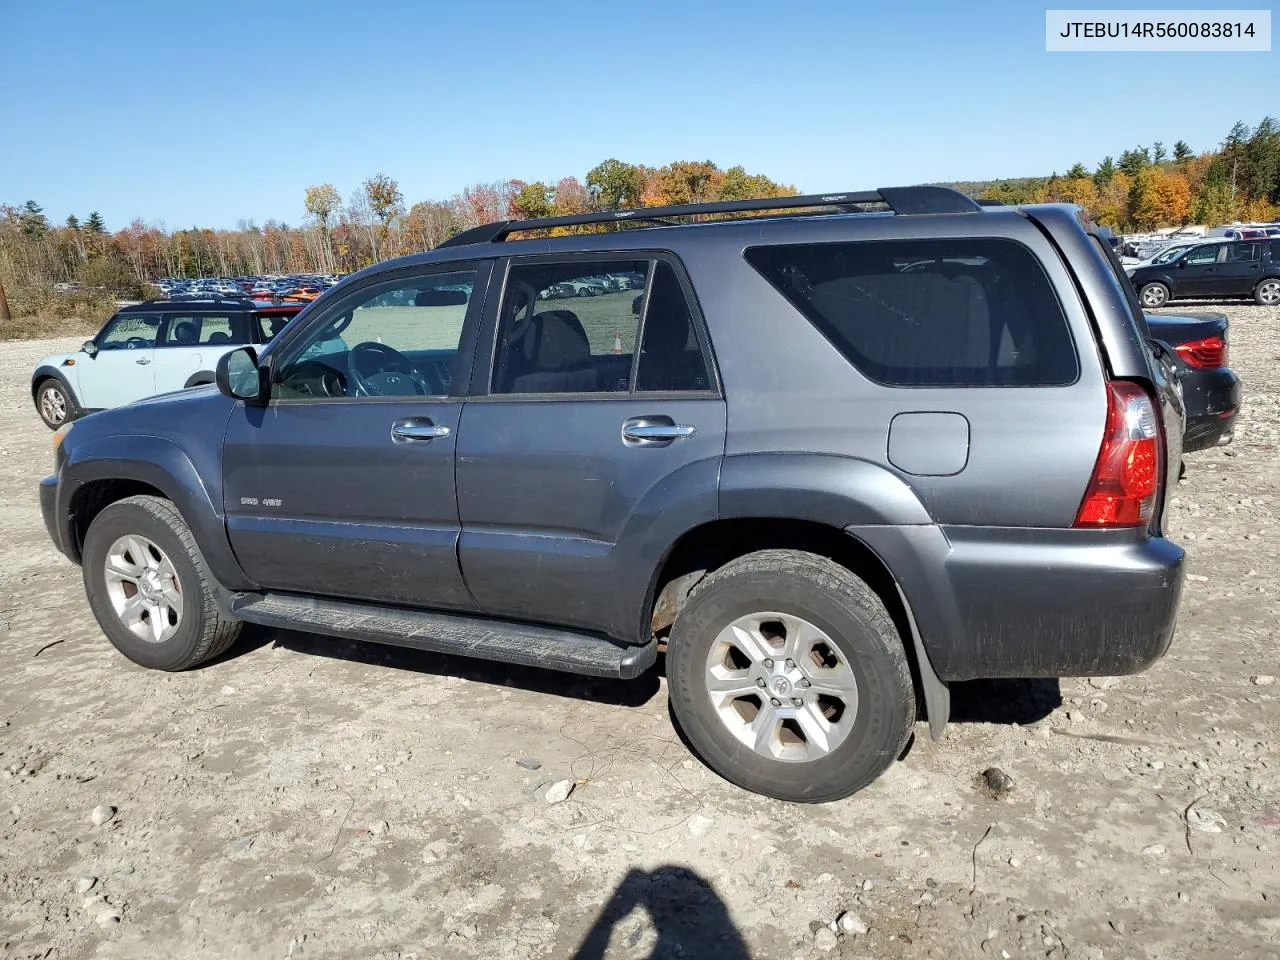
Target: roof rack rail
column 906, row 201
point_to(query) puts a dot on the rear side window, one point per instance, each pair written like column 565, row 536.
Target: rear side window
column 962, row 312
column 197, row 330
column 1275, row 250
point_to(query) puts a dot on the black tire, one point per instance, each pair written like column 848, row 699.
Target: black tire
column 855, row 621
column 585, row 292
column 55, row 391
column 1267, row 292
column 1156, row 292
column 203, row 631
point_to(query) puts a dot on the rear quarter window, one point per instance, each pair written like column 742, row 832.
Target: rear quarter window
column 963, row 312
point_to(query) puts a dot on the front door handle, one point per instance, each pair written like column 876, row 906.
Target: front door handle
column 654, row 431
column 144, row 361
column 417, row 430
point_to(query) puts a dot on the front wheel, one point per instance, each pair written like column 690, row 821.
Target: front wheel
column 1154, row 295
column 149, row 587
column 55, row 404
column 788, row 677
column 1267, row 293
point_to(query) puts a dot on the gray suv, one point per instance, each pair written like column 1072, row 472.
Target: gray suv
column 833, row 454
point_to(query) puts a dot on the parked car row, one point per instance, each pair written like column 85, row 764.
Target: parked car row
column 830, row 464
column 294, row 287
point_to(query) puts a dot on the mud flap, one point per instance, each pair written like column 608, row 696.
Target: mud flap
column 937, row 695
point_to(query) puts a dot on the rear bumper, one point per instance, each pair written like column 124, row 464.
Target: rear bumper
column 1030, row 602
column 1212, row 399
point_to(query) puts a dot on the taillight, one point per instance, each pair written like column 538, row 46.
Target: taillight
column 1126, row 479
column 1204, row 354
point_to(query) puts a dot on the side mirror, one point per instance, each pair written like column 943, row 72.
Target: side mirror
column 239, row 376
column 89, row 348
column 1181, row 264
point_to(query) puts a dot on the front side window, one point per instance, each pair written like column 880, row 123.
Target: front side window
column 1244, row 253
column 963, row 312
column 569, row 327
column 132, row 332
column 400, row 338
column 1200, row 256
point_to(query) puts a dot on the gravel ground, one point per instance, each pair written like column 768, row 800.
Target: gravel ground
column 309, row 798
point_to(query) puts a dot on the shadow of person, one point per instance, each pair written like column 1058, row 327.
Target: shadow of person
column 685, row 912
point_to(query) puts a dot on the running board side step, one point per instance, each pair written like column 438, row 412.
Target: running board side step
column 462, row 635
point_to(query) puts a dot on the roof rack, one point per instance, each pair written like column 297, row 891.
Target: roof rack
column 907, row 201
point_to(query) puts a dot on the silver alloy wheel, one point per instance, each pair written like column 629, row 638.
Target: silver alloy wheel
column 781, row 687
column 1269, row 292
column 144, row 589
column 53, row 405
column 1154, row 295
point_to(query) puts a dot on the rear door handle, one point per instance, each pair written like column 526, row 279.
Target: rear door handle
column 417, row 430
column 654, row 431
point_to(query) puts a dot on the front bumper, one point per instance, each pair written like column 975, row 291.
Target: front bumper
column 56, row 523
column 1034, row 602
column 1212, row 399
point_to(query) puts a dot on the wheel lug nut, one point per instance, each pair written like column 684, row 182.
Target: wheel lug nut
column 768, row 664
column 760, row 681
column 775, row 701
column 791, row 664
column 797, row 702
column 803, row 682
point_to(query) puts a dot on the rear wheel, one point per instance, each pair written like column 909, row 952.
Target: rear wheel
column 1267, row 292
column 788, row 677
column 1154, row 294
column 149, row 587
column 55, row 404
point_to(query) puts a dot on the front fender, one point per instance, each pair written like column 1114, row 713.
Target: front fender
column 832, row 490
column 44, row 372
column 164, row 465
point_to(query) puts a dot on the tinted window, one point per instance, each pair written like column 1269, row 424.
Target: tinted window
column 195, row 330
column 1244, row 252
column 270, row 324
column 569, row 327
column 670, row 356
column 1275, row 251
column 967, row 312
column 400, row 338
column 1201, row 255
column 136, row 331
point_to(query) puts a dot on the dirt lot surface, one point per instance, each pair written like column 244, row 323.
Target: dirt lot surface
column 302, row 797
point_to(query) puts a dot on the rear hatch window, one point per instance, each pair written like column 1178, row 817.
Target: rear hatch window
column 956, row 312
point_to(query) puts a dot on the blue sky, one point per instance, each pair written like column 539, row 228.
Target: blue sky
column 195, row 113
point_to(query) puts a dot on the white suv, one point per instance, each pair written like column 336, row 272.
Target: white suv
column 150, row 348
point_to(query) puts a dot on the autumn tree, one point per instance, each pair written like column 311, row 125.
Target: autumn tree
column 322, row 201
column 532, row 200
column 1111, row 209
column 737, row 184
column 614, row 185
column 1160, row 198
column 685, row 181
column 570, row 197
column 385, row 201
column 1214, row 205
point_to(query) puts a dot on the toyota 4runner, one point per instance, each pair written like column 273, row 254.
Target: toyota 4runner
column 831, row 456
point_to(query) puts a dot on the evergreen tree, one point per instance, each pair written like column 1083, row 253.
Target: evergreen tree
column 1158, row 154
column 94, row 224
column 1077, row 172
column 1181, row 152
column 34, row 223
column 1106, row 170
column 73, row 222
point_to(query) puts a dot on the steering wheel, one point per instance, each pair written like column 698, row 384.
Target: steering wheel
column 386, row 372
column 133, row 343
